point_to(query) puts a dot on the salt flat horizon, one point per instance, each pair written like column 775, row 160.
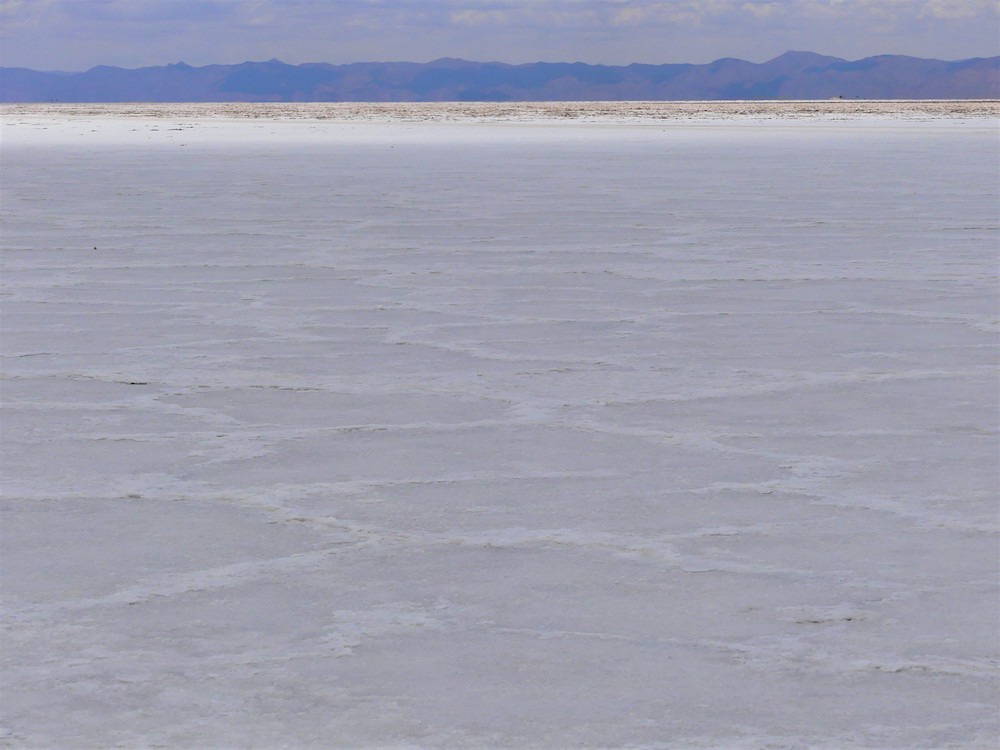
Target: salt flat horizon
column 627, row 426
column 524, row 111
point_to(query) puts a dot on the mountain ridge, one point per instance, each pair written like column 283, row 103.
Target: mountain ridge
column 791, row 75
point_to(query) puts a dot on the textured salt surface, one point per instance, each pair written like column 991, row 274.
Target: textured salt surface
column 529, row 111
column 511, row 435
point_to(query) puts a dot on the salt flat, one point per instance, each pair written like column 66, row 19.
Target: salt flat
column 513, row 433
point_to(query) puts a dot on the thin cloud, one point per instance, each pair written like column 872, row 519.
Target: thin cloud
column 76, row 34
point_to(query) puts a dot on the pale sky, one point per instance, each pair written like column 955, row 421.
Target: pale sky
column 78, row 34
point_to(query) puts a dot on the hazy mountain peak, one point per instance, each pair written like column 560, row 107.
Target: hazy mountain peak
column 805, row 57
column 452, row 62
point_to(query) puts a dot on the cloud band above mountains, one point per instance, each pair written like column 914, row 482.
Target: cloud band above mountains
column 77, row 34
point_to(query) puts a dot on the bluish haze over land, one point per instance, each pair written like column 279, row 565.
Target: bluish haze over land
column 793, row 75
column 74, row 35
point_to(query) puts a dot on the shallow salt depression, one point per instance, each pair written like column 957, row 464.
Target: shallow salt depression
column 538, row 434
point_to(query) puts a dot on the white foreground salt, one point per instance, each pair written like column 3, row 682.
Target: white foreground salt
column 552, row 435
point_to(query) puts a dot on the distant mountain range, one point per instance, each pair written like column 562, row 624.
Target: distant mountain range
column 793, row 75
